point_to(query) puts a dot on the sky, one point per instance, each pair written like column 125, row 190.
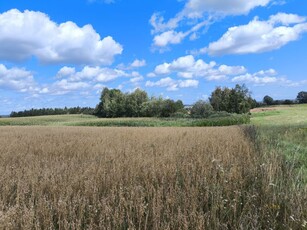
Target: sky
column 63, row 53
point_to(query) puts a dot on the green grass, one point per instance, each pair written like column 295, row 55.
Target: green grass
column 290, row 142
column 281, row 115
column 283, row 130
column 87, row 120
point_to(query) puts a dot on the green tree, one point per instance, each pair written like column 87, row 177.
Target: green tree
column 152, row 108
column 158, row 107
column 201, row 109
column 268, row 100
column 112, row 103
column 235, row 100
column 302, row 97
column 134, row 103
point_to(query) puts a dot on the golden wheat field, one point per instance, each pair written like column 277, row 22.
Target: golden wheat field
column 141, row 178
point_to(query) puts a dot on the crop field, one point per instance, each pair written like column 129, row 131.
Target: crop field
column 147, row 178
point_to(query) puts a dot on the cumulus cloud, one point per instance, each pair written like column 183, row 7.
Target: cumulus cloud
column 17, row 79
column 65, row 86
column 173, row 85
column 136, row 79
column 259, row 36
column 168, row 37
column 262, row 77
column 90, row 77
column 96, row 74
column 188, row 67
column 32, row 33
column 66, row 71
column 197, row 14
column 138, row 63
column 196, row 8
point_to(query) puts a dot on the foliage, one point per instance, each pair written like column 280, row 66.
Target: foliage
column 302, row 97
column 201, row 109
column 236, row 100
column 113, row 103
column 268, row 100
column 134, row 103
column 53, row 111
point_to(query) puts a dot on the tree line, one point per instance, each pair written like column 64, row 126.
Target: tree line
column 115, row 103
column 300, row 99
column 53, row 111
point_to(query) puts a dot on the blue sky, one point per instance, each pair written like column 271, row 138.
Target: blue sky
column 62, row 53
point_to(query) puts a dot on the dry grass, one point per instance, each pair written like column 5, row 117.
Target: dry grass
column 143, row 178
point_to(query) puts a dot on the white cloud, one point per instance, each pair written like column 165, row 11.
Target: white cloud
column 95, row 74
column 173, row 85
column 262, row 77
column 162, row 69
column 136, row 79
column 89, row 78
column 66, row 71
column 259, row 36
column 159, row 25
column 65, row 85
column 231, row 70
column 188, row 83
column 138, row 63
column 164, row 39
column 168, row 37
column 188, row 67
column 197, row 14
column 151, row 75
column 196, row 8
column 17, row 79
column 31, row 33
column 183, row 63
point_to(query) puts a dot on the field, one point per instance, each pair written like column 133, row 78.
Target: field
column 237, row 177
column 88, row 120
column 280, row 115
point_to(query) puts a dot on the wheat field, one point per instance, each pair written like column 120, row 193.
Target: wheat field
column 143, row 178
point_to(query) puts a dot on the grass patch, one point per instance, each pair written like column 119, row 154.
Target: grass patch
column 283, row 129
column 288, row 141
column 280, row 115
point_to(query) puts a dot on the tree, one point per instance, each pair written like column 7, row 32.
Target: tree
column 152, row 108
column 158, row 107
column 302, row 97
column 134, row 103
column 112, row 103
column 201, row 109
column 236, row 100
column 220, row 99
column 268, row 100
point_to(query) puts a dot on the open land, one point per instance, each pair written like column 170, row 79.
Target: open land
column 248, row 177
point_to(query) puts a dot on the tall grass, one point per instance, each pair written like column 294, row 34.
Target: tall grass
column 145, row 178
column 87, row 120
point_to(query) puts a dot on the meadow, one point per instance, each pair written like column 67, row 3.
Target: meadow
column 54, row 176
column 282, row 115
column 89, row 120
